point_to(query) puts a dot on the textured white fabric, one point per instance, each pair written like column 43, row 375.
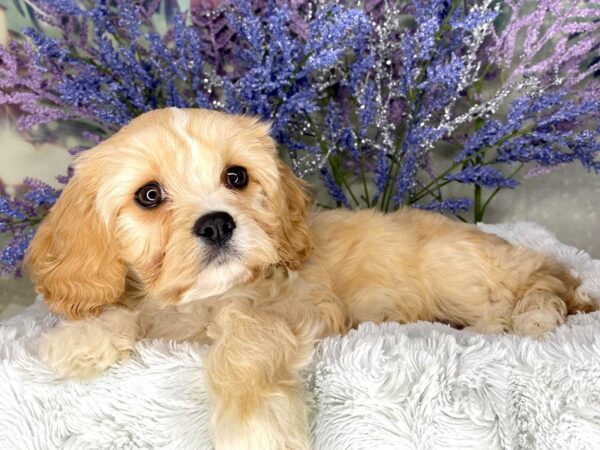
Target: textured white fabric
column 390, row 386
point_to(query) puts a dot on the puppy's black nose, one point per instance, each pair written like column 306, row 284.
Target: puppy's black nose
column 215, row 228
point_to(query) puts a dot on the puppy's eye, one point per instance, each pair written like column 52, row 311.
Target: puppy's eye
column 149, row 195
column 236, row 177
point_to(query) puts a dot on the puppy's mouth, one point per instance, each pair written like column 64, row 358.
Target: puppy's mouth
column 222, row 270
column 220, row 256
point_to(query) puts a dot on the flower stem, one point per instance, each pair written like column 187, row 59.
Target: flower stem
column 477, row 212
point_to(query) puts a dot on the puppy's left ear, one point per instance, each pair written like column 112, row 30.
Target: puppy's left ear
column 295, row 240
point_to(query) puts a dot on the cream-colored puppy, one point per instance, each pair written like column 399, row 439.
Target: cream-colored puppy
column 186, row 225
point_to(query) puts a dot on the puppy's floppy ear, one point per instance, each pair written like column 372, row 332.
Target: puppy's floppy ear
column 296, row 243
column 73, row 258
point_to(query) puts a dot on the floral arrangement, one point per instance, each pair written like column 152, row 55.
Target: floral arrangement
column 362, row 94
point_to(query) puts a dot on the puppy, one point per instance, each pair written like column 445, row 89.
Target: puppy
column 186, row 225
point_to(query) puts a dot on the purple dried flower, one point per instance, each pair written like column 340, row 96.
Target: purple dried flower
column 39, row 194
column 382, row 173
column 334, row 190
column 13, row 252
column 405, row 182
column 453, row 205
column 17, row 216
column 541, row 170
column 485, row 176
column 367, row 109
column 573, row 33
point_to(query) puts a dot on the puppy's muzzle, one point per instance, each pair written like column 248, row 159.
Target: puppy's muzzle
column 215, row 228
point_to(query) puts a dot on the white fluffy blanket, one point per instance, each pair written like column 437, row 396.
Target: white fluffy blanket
column 390, row 386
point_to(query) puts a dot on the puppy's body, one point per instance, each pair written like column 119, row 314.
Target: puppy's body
column 281, row 279
column 414, row 265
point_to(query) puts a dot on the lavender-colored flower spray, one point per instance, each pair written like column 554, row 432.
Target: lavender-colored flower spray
column 361, row 94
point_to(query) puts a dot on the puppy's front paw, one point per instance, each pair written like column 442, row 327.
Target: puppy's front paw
column 83, row 349
column 277, row 421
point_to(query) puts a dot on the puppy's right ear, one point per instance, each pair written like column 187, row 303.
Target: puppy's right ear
column 296, row 243
column 74, row 259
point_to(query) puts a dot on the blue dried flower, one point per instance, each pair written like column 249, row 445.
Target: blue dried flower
column 453, row 205
column 405, row 182
column 367, row 109
column 382, row 173
column 39, row 194
column 485, row 176
column 17, row 216
column 13, row 253
column 334, row 190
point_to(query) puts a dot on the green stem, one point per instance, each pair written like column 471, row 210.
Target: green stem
column 321, row 205
column 421, row 193
column 477, row 215
column 30, row 222
column 435, row 195
column 426, row 190
column 345, row 183
column 364, row 181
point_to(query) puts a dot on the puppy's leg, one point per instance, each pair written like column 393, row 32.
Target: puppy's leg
column 254, row 374
column 483, row 282
column 530, row 294
column 496, row 318
column 551, row 293
column 82, row 349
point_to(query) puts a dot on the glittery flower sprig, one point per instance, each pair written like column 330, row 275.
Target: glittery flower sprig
column 570, row 29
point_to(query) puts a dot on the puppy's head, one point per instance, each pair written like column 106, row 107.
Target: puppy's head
column 191, row 202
